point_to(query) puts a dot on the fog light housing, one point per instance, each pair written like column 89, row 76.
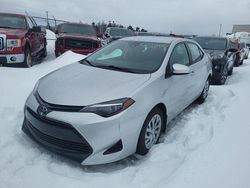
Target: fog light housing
column 13, row 58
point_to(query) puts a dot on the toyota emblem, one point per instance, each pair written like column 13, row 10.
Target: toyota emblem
column 42, row 110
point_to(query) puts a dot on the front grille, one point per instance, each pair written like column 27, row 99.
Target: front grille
column 49, row 121
column 64, row 144
column 57, row 107
column 1, row 43
column 80, row 44
column 59, row 137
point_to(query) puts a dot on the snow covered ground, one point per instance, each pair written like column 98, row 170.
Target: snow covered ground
column 207, row 145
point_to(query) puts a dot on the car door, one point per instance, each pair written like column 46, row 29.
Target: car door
column 198, row 67
column 179, row 87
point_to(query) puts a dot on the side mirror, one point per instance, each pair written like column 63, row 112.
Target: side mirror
column 179, row 69
column 36, row 29
column 106, row 35
column 56, row 32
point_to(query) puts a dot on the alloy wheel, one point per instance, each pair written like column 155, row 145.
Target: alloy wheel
column 153, row 131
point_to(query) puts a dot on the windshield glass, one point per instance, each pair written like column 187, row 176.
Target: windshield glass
column 12, row 21
column 77, row 28
column 130, row 56
column 121, row 32
column 211, row 43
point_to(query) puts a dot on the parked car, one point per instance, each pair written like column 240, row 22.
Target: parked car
column 21, row 40
column 113, row 33
column 118, row 100
column 77, row 37
column 222, row 55
column 145, row 34
column 245, row 50
column 240, row 54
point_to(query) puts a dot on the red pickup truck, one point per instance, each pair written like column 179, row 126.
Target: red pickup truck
column 21, row 40
column 77, row 37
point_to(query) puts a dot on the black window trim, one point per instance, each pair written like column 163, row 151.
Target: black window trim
column 168, row 68
column 190, row 56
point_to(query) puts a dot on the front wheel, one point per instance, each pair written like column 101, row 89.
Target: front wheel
column 150, row 131
column 27, row 58
column 223, row 76
column 204, row 93
column 44, row 51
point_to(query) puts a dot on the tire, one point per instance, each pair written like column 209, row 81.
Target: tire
column 223, row 77
column 241, row 63
column 153, row 122
column 27, row 58
column 44, row 52
column 231, row 71
column 201, row 99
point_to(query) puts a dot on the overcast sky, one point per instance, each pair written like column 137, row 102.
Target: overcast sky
column 201, row 17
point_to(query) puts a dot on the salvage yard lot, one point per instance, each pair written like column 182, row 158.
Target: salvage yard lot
column 207, row 145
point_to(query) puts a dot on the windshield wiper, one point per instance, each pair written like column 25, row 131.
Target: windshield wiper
column 87, row 62
column 113, row 67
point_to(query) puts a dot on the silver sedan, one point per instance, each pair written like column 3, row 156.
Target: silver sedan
column 117, row 101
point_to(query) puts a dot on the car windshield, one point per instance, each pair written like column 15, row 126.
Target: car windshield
column 121, row 32
column 77, row 28
column 129, row 56
column 12, row 21
column 211, row 43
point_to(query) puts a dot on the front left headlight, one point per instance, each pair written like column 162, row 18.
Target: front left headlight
column 35, row 87
column 109, row 108
column 13, row 43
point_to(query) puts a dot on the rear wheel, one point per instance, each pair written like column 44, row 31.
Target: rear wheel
column 223, row 76
column 150, row 131
column 231, row 71
column 204, row 93
column 44, row 51
column 27, row 58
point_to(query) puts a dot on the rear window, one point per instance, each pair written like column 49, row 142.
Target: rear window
column 212, row 43
column 12, row 21
column 121, row 32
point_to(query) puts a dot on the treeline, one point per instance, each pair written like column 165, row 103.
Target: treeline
column 101, row 27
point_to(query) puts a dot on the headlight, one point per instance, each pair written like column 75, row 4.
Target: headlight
column 110, row 108
column 35, row 88
column 217, row 57
column 13, row 43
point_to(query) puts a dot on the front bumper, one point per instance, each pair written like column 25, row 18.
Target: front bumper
column 11, row 58
column 104, row 140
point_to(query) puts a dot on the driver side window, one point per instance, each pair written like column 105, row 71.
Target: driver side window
column 179, row 55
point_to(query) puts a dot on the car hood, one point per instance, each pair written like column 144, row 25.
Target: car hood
column 79, row 84
column 214, row 52
column 18, row 33
column 77, row 36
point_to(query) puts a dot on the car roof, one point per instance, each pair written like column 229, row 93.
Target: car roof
column 12, row 14
column 74, row 23
column 212, row 37
column 158, row 39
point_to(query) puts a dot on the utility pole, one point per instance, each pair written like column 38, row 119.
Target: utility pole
column 47, row 15
column 220, row 30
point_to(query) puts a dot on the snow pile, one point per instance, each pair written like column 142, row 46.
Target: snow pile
column 50, row 35
column 206, row 146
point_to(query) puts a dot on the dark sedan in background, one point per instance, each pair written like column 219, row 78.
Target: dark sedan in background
column 222, row 55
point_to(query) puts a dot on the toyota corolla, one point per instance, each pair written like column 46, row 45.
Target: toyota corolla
column 117, row 101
